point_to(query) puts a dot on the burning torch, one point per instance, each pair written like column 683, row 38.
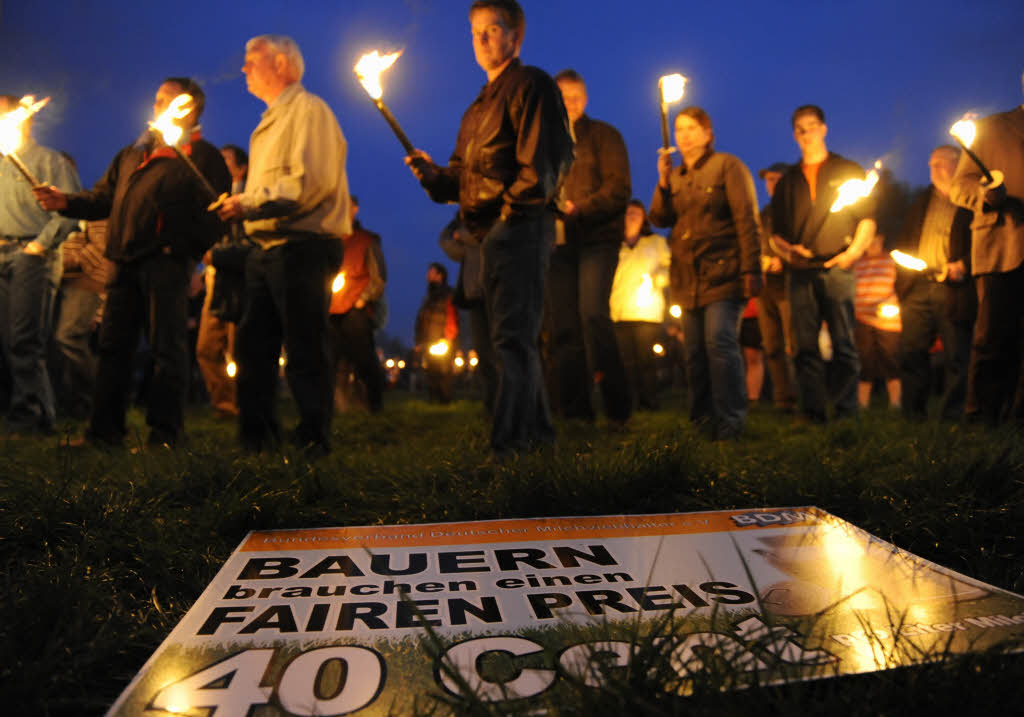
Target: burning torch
column 672, row 88
column 11, row 124
column 853, row 190
column 963, row 132
column 171, row 134
column 368, row 70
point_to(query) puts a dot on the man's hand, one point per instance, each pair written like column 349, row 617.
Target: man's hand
column 422, row 166
column 786, row 250
column 34, row 248
column 569, row 209
column 50, row 198
column 956, row 271
column 231, row 208
column 771, row 264
column 844, row 260
column 664, row 166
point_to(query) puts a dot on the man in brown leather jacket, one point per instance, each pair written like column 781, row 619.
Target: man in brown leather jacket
column 512, row 153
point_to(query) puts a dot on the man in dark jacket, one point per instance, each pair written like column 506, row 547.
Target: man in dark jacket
column 940, row 300
column 158, row 228
column 582, row 338
column 821, row 247
column 512, row 153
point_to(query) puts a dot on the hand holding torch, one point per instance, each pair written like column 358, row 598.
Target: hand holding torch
column 12, row 134
column 368, row 71
column 672, row 88
column 963, row 132
column 171, row 134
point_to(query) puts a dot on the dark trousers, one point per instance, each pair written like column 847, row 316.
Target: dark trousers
column 151, row 295
column 816, row 296
column 351, row 336
column 994, row 374
column 636, row 341
column 26, row 307
column 773, row 320
column 76, row 366
column 515, row 263
column 581, row 331
column 925, row 314
column 480, row 326
column 288, row 291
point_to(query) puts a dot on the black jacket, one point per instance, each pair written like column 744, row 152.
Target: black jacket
column 512, row 153
column 598, row 183
column 716, row 232
column 155, row 201
column 798, row 220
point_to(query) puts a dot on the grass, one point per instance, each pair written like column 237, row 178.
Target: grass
column 102, row 553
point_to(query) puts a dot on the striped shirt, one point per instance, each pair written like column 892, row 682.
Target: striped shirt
column 876, row 285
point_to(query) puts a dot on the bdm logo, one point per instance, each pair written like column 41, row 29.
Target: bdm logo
column 772, row 517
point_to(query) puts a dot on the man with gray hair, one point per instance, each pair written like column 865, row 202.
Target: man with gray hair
column 296, row 208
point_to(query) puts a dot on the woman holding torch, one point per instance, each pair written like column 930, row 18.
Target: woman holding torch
column 711, row 205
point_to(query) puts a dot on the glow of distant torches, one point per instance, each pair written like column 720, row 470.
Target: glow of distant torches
column 390, row 363
column 439, row 348
column 908, row 261
column 459, row 362
column 853, row 190
column 675, row 311
column 672, row 88
column 964, row 132
column 658, row 349
column 339, row 283
column 368, row 71
column 170, row 132
column 232, row 369
column 11, row 136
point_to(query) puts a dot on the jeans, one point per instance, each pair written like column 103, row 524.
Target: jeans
column 151, row 293
column 26, row 304
column 213, row 346
column 288, row 293
column 925, row 314
column 351, row 337
column 515, row 263
column 582, row 332
column 711, row 348
column 77, row 366
column 816, row 296
column 636, row 341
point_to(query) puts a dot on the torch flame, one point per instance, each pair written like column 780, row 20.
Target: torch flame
column 369, row 69
column 645, row 293
column 164, row 124
column 964, row 130
column 11, row 122
column 888, row 311
column 672, row 88
column 853, row 190
column 908, row 261
column 439, row 349
column 675, row 311
column 339, row 283
column 232, row 369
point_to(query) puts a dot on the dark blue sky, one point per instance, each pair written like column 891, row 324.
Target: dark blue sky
column 891, row 76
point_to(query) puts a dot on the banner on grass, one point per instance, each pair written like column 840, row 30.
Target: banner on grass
column 376, row 620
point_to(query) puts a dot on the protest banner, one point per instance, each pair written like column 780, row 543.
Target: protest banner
column 376, row 620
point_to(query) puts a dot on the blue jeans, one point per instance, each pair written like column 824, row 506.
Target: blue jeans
column 816, row 296
column 73, row 335
column 26, row 304
column 711, row 347
column 515, row 262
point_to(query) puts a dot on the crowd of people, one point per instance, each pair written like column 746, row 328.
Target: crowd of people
column 565, row 283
